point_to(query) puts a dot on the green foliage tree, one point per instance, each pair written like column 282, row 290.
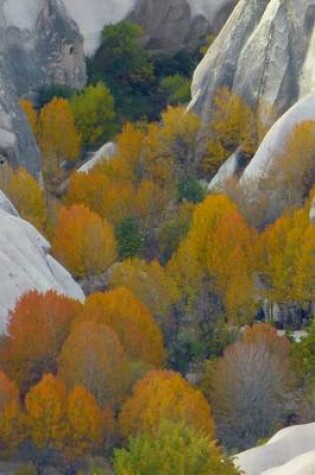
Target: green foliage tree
column 123, row 64
column 94, row 114
column 129, row 238
column 177, row 89
column 175, row 449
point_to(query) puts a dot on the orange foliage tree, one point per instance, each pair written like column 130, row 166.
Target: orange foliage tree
column 64, row 426
column 131, row 320
column 94, row 357
column 45, row 406
column 8, row 391
column 84, row 242
column 37, row 328
column 164, row 395
column 85, row 425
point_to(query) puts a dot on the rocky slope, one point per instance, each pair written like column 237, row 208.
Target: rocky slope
column 289, row 452
column 265, row 52
column 39, row 45
column 169, row 25
column 25, row 263
column 265, row 182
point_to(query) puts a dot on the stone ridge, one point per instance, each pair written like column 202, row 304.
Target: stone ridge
column 33, row 54
column 263, row 53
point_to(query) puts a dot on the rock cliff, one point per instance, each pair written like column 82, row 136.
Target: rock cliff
column 25, row 263
column 289, row 452
column 169, row 25
column 265, row 52
column 39, row 45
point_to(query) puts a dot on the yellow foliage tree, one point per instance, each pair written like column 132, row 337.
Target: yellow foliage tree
column 149, row 282
column 217, row 257
column 57, row 136
column 164, row 395
column 26, row 195
column 234, row 125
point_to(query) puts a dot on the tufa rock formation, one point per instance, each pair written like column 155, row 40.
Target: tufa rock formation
column 39, row 45
column 265, row 52
column 25, row 263
column 289, row 452
column 169, row 25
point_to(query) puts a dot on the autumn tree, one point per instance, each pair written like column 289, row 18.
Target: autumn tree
column 93, row 356
column 27, row 196
column 175, row 448
column 221, row 250
column 132, row 322
column 234, row 126
column 57, row 135
column 173, row 230
column 84, row 242
column 94, row 115
column 37, row 328
column 250, row 386
column 12, row 430
column 180, row 138
column 45, row 407
column 8, row 391
column 149, row 282
column 287, row 261
column 84, row 425
column 164, row 395
column 294, row 169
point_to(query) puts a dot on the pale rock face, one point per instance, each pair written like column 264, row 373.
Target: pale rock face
column 290, row 452
column 229, row 173
column 168, row 25
column 25, row 263
column 104, row 153
column 39, row 45
column 265, row 52
column 93, row 17
column 263, row 168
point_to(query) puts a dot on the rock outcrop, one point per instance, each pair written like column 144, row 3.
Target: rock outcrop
column 25, row 263
column 40, row 44
column 104, row 153
column 265, row 52
column 169, row 25
column 266, row 182
column 290, row 452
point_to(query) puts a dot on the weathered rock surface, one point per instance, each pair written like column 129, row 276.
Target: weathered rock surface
column 264, row 182
column 25, row 263
column 169, row 25
column 229, row 173
column 104, row 153
column 290, row 452
column 265, row 52
column 39, row 45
